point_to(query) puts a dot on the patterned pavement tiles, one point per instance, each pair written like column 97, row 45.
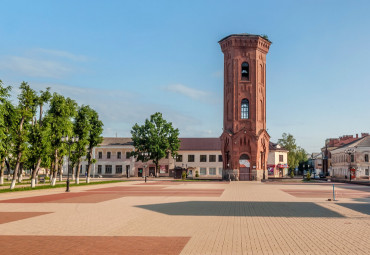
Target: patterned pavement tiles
column 123, row 245
column 6, row 217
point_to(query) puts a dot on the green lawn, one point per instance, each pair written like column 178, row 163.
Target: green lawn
column 60, row 185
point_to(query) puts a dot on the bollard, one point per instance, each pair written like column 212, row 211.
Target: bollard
column 333, row 193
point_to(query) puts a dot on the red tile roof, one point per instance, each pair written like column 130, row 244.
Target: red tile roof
column 200, row 144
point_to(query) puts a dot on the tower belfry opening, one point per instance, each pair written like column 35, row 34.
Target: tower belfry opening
column 245, row 107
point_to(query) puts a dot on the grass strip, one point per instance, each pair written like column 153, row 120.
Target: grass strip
column 57, row 186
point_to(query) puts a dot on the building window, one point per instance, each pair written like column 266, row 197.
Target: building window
column 108, row 154
column 245, row 109
column 352, row 158
column 100, row 155
column 212, row 158
column 203, row 158
column 119, row 169
column 219, row 158
column 128, row 154
column 108, row 169
column 220, row 171
column 203, row 171
column 179, row 158
column 367, row 172
column 281, row 158
column 119, row 155
column 212, row 171
column 99, row 169
column 190, row 158
column 366, row 157
column 245, row 71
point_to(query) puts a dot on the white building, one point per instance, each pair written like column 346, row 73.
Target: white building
column 277, row 161
column 354, row 156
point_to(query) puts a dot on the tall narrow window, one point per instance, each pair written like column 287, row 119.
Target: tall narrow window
column 245, row 109
column 245, row 70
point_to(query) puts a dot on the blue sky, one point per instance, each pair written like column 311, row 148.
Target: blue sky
column 130, row 59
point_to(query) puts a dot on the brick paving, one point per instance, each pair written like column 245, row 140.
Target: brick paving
column 6, row 217
column 123, row 245
column 238, row 218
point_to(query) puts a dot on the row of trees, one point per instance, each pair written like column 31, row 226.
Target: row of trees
column 31, row 138
column 296, row 154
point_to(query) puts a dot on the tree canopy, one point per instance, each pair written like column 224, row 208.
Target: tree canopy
column 154, row 140
column 296, row 154
column 31, row 139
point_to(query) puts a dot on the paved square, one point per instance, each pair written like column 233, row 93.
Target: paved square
column 188, row 218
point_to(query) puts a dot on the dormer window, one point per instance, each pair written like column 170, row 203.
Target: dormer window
column 245, row 71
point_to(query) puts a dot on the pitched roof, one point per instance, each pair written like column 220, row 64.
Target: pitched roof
column 276, row 147
column 111, row 141
column 200, row 144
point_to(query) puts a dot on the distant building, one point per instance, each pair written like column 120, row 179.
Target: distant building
column 196, row 156
column 352, row 159
column 277, row 161
column 315, row 162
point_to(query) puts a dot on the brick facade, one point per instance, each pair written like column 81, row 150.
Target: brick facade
column 245, row 136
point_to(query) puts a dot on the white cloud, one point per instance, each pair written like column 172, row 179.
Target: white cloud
column 35, row 67
column 187, row 91
column 120, row 110
column 42, row 63
column 59, row 53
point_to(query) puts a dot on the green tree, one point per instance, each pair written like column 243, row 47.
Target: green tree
column 39, row 137
column 24, row 113
column 81, row 128
column 6, row 109
column 59, row 117
column 296, row 154
column 154, row 140
column 94, row 139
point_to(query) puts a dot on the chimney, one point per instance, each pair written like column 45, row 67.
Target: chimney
column 356, row 135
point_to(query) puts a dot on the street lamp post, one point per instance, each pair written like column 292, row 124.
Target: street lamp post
column 69, row 142
column 350, row 152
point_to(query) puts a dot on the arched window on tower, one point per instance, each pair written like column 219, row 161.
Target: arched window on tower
column 245, row 109
column 245, row 70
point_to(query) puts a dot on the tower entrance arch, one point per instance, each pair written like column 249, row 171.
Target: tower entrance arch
column 245, row 168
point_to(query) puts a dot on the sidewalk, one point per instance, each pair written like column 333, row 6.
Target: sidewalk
column 188, row 218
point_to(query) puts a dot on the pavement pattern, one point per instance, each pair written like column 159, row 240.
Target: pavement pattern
column 187, row 218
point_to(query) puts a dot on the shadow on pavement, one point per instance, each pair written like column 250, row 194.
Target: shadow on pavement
column 362, row 208
column 243, row 208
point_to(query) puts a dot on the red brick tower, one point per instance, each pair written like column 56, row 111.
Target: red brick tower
column 245, row 141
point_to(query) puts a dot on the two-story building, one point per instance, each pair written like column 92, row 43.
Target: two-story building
column 352, row 159
column 277, row 161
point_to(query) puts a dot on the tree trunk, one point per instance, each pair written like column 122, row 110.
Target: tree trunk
column 78, row 172
column 61, row 173
column 12, row 185
column 34, row 173
column 73, row 173
column 2, row 172
column 55, row 168
column 54, row 178
column 156, row 169
column 20, row 173
column 88, row 167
